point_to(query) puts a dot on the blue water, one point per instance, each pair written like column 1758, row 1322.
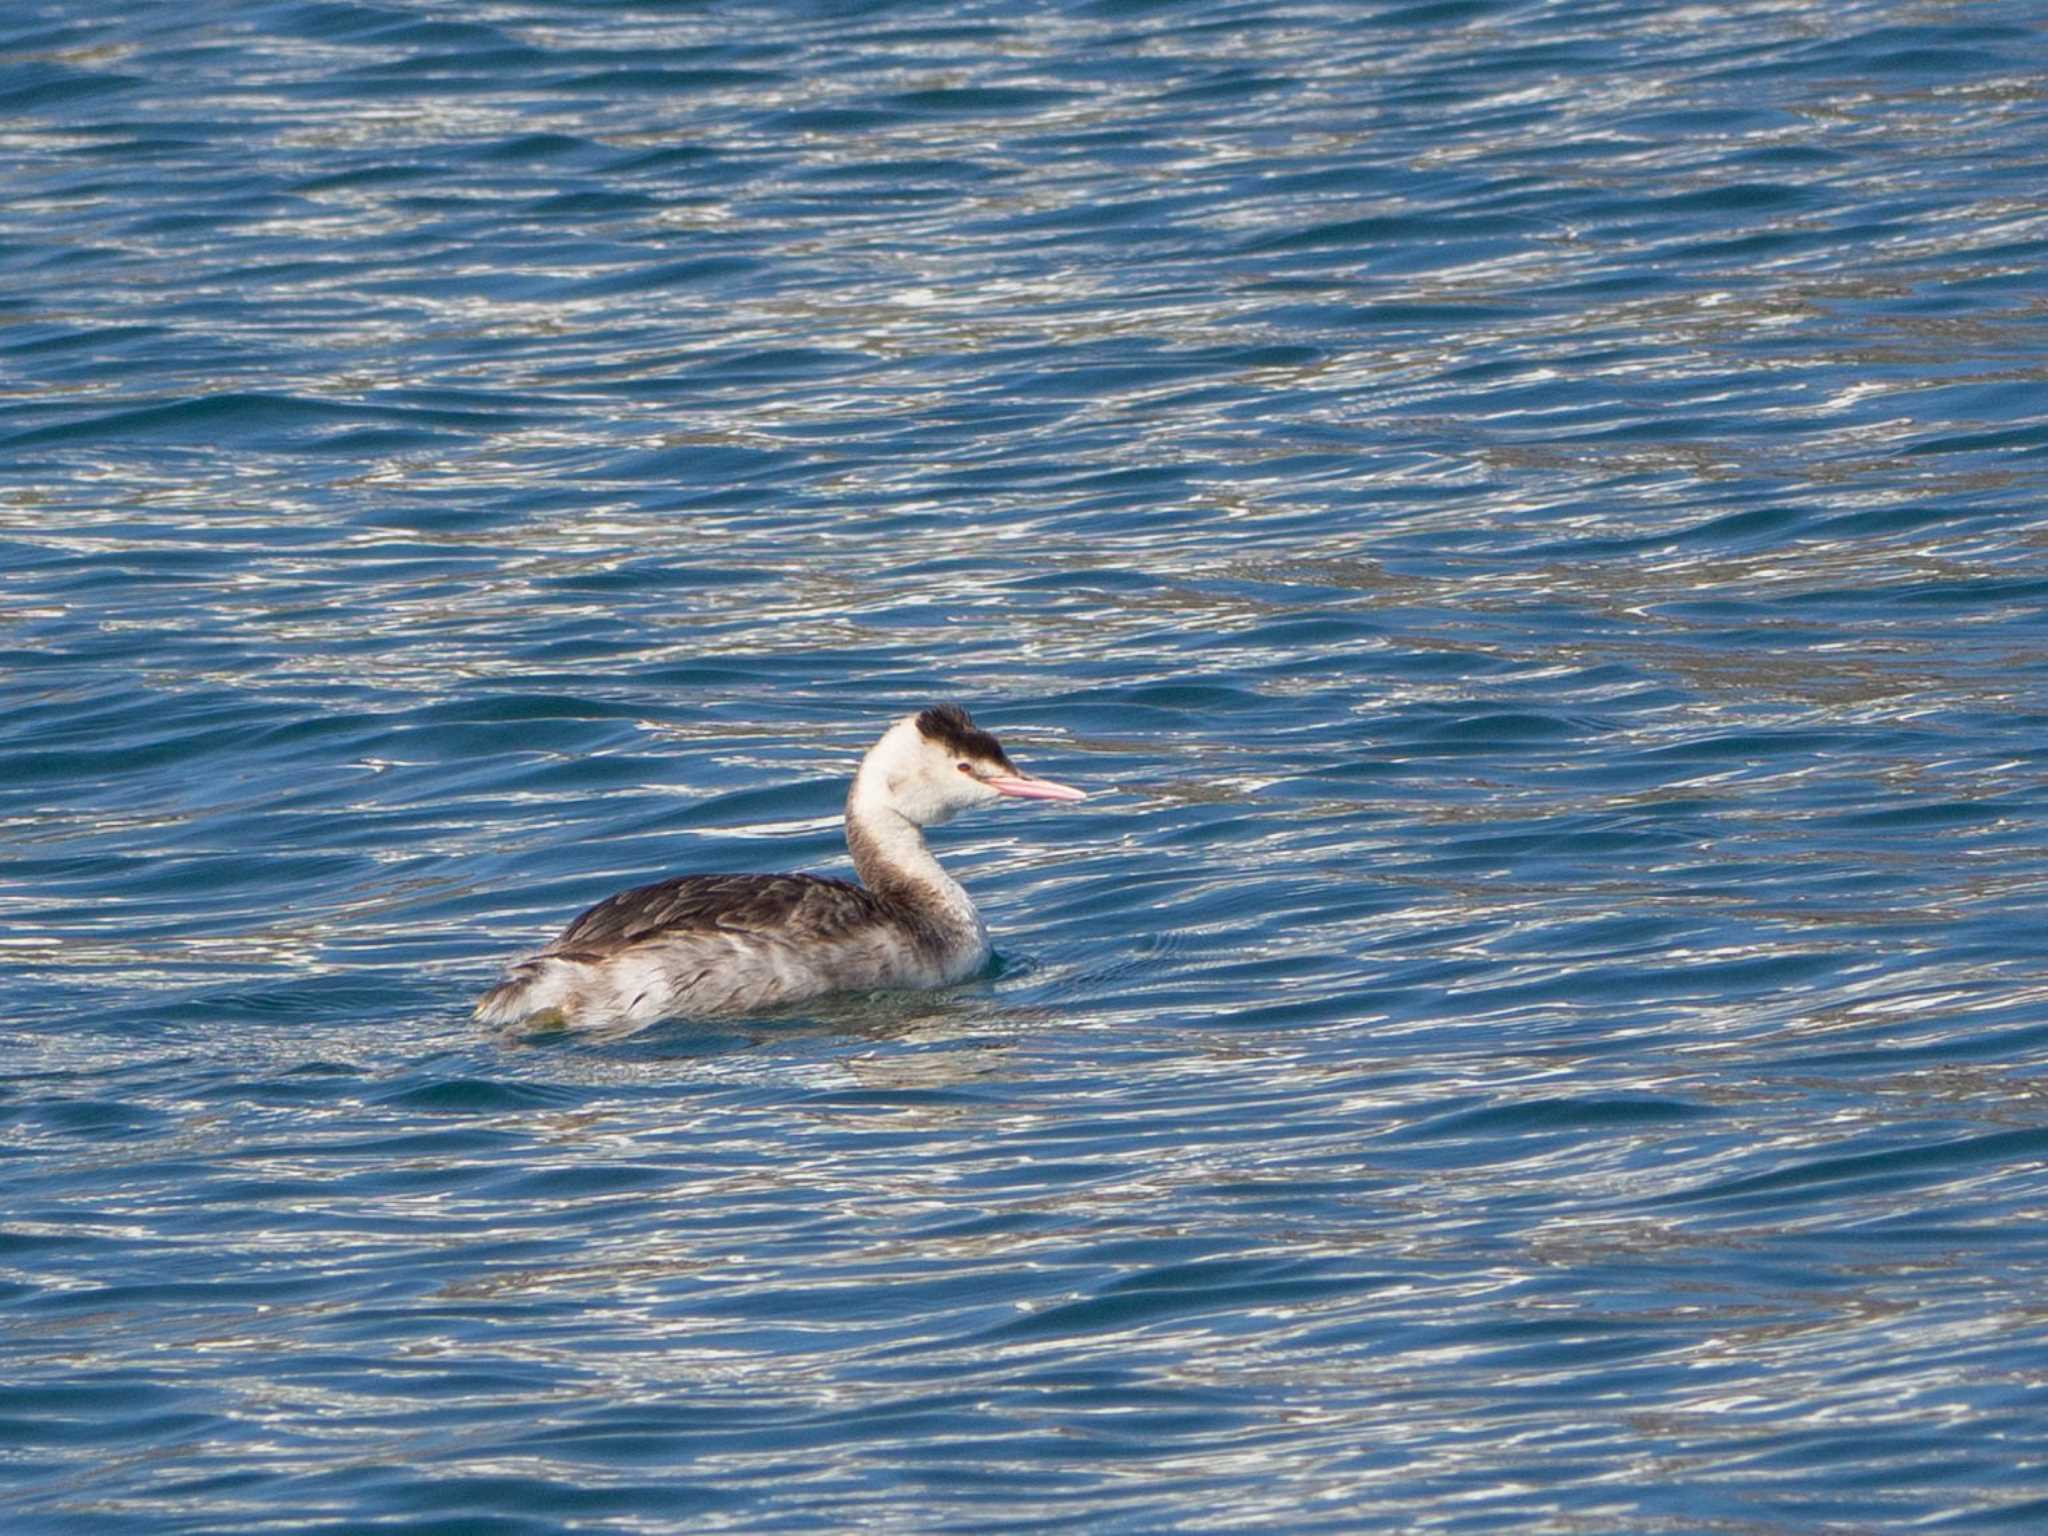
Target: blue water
column 1529, row 516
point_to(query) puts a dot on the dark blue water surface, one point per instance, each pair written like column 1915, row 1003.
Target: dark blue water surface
column 1532, row 517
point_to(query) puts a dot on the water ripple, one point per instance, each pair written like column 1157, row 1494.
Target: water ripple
column 1523, row 518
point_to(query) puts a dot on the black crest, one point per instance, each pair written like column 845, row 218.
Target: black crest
column 951, row 727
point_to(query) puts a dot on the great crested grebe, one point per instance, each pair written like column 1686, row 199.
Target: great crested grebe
column 706, row 945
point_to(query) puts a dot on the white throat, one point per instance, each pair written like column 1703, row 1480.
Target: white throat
column 890, row 853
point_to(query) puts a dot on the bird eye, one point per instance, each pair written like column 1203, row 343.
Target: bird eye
column 966, row 767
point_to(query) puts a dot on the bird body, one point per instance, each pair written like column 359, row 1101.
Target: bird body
column 710, row 945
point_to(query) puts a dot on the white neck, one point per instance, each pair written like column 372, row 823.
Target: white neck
column 889, row 851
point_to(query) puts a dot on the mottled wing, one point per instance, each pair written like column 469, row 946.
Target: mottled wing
column 797, row 907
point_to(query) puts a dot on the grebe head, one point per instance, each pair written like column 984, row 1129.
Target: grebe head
column 934, row 764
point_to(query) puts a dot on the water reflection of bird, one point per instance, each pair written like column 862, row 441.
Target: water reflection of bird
column 707, row 945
